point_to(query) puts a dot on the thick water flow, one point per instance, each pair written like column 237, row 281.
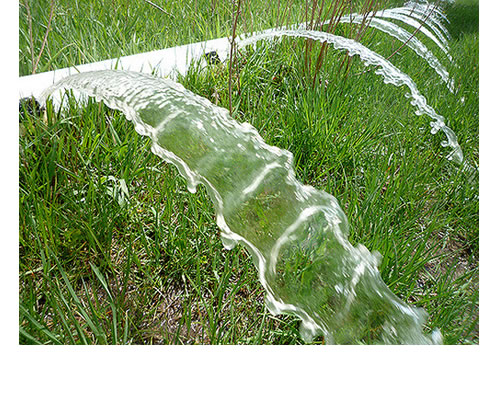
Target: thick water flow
column 297, row 235
column 391, row 74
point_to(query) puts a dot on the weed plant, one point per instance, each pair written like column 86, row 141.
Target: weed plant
column 115, row 250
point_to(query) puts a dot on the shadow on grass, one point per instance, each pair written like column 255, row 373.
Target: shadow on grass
column 464, row 17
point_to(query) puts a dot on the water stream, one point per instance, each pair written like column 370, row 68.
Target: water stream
column 405, row 37
column 427, row 16
column 430, row 14
column 297, row 235
column 441, row 42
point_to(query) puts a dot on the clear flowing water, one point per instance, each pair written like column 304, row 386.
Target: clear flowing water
column 405, row 37
column 391, row 74
column 297, row 235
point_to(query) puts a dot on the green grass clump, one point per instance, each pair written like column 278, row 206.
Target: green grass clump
column 114, row 249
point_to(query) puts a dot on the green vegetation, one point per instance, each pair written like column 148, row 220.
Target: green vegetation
column 114, row 249
column 87, row 31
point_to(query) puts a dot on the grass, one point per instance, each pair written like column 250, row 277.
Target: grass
column 114, row 250
column 88, row 31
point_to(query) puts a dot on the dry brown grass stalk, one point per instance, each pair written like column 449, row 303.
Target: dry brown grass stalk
column 34, row 62
column 236, row 14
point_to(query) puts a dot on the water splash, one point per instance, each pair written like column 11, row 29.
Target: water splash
column 403, row 36
column 391, row 74
column 296, row 234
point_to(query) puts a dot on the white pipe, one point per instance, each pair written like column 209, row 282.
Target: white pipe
column 167, row 63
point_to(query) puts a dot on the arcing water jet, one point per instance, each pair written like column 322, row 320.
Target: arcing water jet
column 391, row 74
